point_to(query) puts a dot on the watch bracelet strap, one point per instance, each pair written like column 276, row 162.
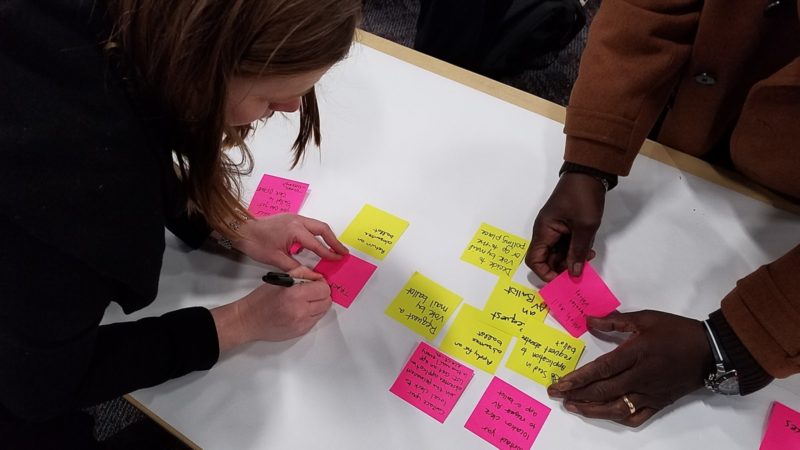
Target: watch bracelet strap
column 226, row 242
column 750, row 374
column 609, row 180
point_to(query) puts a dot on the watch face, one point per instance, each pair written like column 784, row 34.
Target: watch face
column 728, row 384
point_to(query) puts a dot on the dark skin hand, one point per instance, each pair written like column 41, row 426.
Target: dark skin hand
column 564, row 230
column 665, row 357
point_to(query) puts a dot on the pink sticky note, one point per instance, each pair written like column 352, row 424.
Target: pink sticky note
column 275, row 195
column 295, row 248
column 572, row 299
column 507, row 417
column 346, row 277
column 783, row 429
column 432, row 381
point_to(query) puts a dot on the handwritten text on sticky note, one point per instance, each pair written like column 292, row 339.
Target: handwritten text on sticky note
column 423, row 305
column 374, row 231
column 512, row 305
column 496, row 251
column 571, row 300
column 472, row 340
column 275, row 195
column 432, row 381
column 545, row 354
column 783, row 429
column 346, row 277
column 507, row 417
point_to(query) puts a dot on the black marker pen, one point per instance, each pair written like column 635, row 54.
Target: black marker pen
column 282, row 279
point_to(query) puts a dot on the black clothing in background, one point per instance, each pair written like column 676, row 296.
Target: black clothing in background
column 497, row 37
column 87, row 189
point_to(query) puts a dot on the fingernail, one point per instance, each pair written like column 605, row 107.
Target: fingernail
column 562, row 386
column 552, row 392
column 570, row 407
column 576, row 269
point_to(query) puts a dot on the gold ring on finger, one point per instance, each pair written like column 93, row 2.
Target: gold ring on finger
column 630, row 404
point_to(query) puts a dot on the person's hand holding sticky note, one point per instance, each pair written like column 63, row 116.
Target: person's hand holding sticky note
column 346, row 277
column 571, row 300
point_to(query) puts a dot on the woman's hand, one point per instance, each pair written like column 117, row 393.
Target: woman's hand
column 665, row 358
column 564, row 230
column 273, row 313
column 269, row 239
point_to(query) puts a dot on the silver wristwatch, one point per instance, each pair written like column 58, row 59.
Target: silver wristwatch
column 723, row 380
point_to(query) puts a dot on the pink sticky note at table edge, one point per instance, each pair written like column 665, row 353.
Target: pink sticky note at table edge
column 780, row 435
column 397, row 387
column 481, row 424
column 267, row 180
column 346, row 277
column 602, row 303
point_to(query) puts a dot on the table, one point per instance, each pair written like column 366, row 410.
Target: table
column 447, row 155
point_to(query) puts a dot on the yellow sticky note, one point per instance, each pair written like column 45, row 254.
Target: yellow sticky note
column 496, row 251
column 545, row 354
column 512, row 305
column 474, row 341
column 374, row 231
column 423, row 305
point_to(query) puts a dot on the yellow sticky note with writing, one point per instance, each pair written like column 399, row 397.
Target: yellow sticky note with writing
column 545, row 354
column 423, row 305
column 474, row 341
column 496, row 251
column 374, row 231
column 512, row 305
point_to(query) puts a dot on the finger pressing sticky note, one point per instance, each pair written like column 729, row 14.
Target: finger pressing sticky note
column 544, row 354
column 472, row 340
column 571, row 300
column 512, row 305
column 423, row 305
column 432, row 381
column 496, row 251
column 507, row 417
column 346, row 277
column 374, row 231
column 275, row 195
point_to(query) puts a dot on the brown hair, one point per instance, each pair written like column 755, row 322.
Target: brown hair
column 182, row 55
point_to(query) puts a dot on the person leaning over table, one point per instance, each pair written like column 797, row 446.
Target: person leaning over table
column 116, row 118
column 716, row 79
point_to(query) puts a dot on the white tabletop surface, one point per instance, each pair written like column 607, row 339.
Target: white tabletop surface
column 445, row 158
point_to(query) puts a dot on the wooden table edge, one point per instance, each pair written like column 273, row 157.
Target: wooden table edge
column 161, row 422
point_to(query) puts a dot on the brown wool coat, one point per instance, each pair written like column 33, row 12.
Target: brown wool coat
column 716, row 67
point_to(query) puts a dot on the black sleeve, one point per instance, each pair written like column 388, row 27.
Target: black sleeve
column 54, row 356
column 752, row 376
column 192, row 229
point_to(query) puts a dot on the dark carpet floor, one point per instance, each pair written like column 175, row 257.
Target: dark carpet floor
column 120, row 425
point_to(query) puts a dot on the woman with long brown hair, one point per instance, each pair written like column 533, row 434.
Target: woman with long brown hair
column 117, row 119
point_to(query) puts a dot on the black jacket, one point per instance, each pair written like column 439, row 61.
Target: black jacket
column 87, row 188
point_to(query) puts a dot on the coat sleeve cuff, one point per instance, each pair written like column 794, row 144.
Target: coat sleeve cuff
column 752, row 376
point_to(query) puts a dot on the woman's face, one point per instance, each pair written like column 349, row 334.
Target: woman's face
column 251, row 99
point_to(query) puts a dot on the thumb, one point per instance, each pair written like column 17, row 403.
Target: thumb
column 580, row 247
column 616, row 321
